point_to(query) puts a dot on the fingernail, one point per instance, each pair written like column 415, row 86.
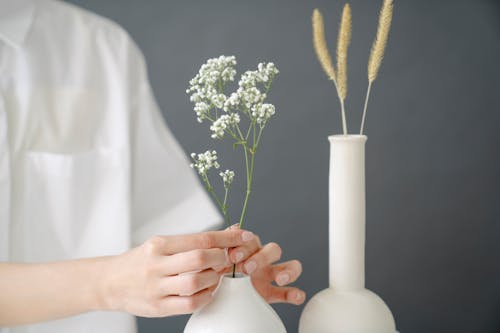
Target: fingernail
column 282, row 279
column 247, row 236
column 237, row 257
column 250, row 267
column 299, row 297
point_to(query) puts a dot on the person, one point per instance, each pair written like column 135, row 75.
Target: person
column 88, row 170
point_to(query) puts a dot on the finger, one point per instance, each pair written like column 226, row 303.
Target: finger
column 232, row 237
column 189, row 284
column 194, row 260
column 226, row 270
column 285, row 273
column 240, row 253
column 289, row 295
column 226, row 264
column 270, row 253
column 176, row 305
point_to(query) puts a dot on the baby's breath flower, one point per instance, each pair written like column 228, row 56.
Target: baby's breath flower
column 222, row 123
column 261, row 113
column 206, row 91
column 267, row 71
column 227, row 177
column 205, row 161
column 218, row 100
column 250, row 96
column 232, row 102
column 207, row 86
column 263, row 74
column 202, row 110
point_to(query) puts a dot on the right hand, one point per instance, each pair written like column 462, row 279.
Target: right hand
column 169, row 275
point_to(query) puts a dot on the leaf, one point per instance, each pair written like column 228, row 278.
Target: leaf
column 237, row 143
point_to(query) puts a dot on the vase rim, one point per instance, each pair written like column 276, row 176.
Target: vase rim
column 237, row 276
column 348, row 137
column 239, row 281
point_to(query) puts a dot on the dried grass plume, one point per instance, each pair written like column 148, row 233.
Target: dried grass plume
column 378, row 47
column 343, row 41
column 320, row 45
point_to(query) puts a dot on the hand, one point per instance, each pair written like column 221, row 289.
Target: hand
column 169, row 275
column 258, row 261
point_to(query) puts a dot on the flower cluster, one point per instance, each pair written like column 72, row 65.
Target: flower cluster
column 205, row 88
column 207, row 92
column 248, row 93
column 249, row 97
column 205, row 161
column 227, row 178
column 264, row 74
column 223, row 123
column 262, row 112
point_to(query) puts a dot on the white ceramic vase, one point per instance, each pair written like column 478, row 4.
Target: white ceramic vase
column 347, row 306
column 236, row 308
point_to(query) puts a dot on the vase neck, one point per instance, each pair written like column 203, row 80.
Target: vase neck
column 347, row 212
column 237, row 285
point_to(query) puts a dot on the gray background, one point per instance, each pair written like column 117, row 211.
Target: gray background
column 433, row 163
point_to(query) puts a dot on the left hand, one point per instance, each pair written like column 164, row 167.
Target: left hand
column 258, row 262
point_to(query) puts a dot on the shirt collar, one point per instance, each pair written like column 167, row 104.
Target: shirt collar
column 16, row 17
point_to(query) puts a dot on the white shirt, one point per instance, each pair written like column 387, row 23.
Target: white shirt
column 87, row 165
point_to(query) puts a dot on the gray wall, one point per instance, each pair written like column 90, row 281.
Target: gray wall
column 433, row 163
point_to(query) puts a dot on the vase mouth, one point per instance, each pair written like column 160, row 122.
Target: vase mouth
column 237, row 276
column 347, row 138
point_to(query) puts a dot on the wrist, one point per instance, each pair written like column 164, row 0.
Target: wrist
column 101, row 295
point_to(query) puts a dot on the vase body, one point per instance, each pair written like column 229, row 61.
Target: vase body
column 346, row 306
column 236, row 307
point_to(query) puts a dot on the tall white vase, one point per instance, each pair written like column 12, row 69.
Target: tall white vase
column 236, row 308
column 347, row 306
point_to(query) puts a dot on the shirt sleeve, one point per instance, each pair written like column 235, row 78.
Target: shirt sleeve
column 167, row 196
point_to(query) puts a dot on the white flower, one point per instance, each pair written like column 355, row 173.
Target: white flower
column 222, row 123
column 261, row 113
column 227, row 177
column 267, row 71
column 263, row 74
column 206, row 90
column 207, row 86
column 232, row 102
column 202, row 110
column 250, row 96
column 218, row 100
column 205, row 161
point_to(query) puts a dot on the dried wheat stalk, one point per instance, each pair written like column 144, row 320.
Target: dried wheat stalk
column 343, row 41
column 324, row 57
column 320, row 45
column 339, row 78
column 377, row 51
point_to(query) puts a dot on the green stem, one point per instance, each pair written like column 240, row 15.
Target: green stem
column 225, row 195
column 254, row 136
column 233, row 135
column 221, row 205
column 258, row 137
column 249, row 181
column 249, row 130
column 249, row 163
column 224, row 210
column 249, row 188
